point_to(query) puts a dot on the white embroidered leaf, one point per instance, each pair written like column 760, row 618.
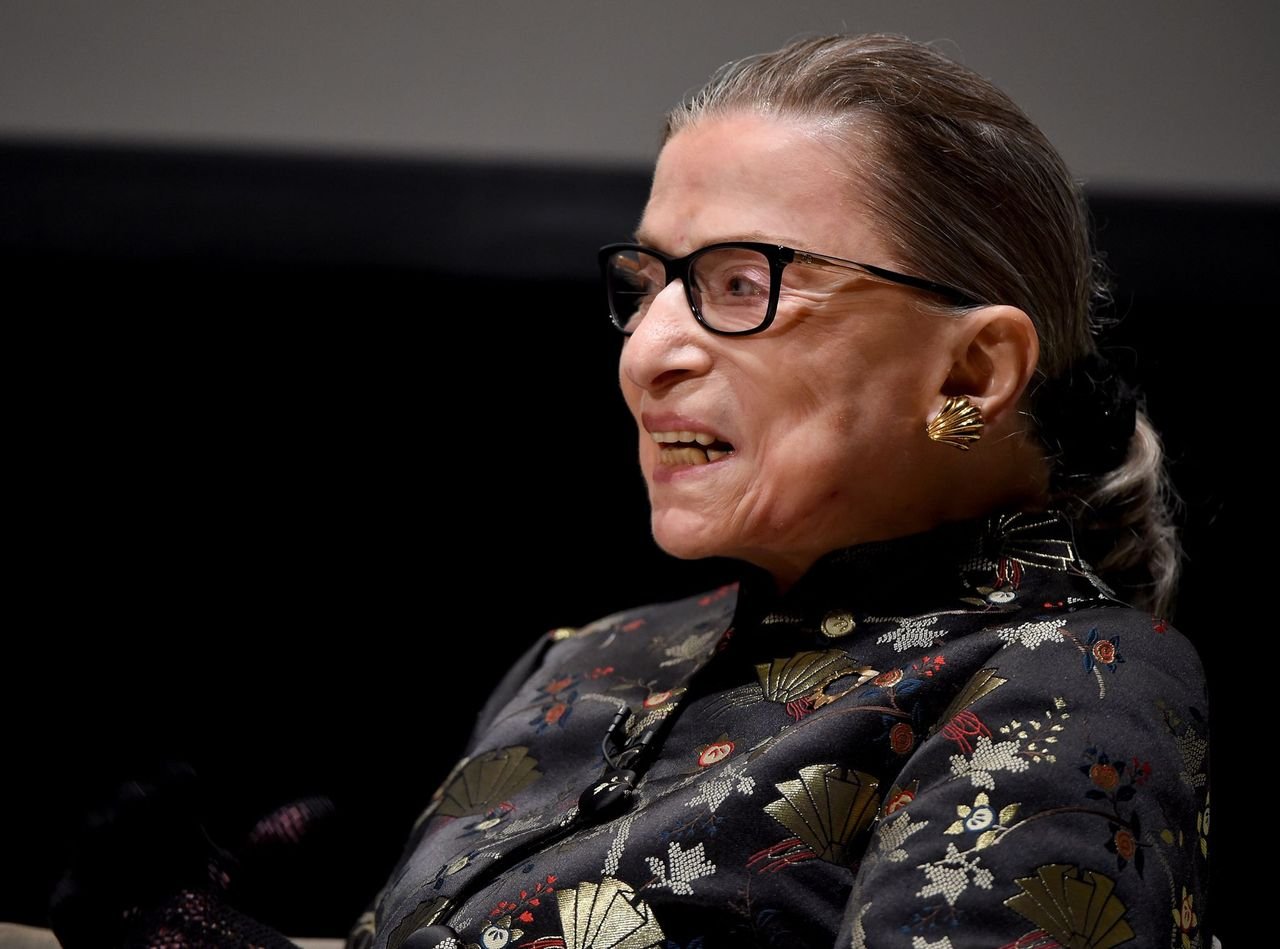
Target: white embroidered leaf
column 912, row 632
column 1032, row 634
column 894, row 833
column 681, row 869
column 919, row 942
column 988, row 757
column 950, row 876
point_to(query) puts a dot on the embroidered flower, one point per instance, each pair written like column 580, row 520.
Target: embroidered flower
column 1125, row 842
column 1113, row 780
column 899, row 798
column 1125, row 845
column 562, row 693
column 901, row 738
column 490, row 819
column 500, row 932
column 929, row 665
column 558, row 685
column 1141, row 771
column 714, row 752
column 556, row 712
column 887, row 680
column 1202, row 827
column 1102, row 652
column 980, row 818
column 1104, row 776
column 1185, row 918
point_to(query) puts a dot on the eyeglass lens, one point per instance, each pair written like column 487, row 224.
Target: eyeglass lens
column 728, row 286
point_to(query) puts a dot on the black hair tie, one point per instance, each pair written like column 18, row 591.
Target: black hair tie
column 1087, row 417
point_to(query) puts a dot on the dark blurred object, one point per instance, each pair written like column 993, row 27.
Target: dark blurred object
column 131, row 856
column 283, row 422
column 146, row 873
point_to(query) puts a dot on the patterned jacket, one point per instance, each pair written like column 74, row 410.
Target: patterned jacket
column 956, row 739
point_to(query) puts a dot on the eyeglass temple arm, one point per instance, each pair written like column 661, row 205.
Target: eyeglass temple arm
column 892, row 276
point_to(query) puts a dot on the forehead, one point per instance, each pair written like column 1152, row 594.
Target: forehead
column 752, row 176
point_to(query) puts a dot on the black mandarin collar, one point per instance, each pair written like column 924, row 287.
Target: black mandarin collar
column 903, row 575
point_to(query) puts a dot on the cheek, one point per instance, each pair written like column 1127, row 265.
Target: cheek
column 630, row 395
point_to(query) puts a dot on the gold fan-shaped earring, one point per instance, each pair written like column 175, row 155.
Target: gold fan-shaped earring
column 958, row 423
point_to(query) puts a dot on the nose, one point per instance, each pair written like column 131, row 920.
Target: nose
column 667, row 346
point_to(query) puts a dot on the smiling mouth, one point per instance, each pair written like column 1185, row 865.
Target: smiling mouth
column 689, row 448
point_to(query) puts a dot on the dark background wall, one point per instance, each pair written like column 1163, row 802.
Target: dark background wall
column 294, row 483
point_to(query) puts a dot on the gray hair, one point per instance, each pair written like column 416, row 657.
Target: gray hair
column 971, row 193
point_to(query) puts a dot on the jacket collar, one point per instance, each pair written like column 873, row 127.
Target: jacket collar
column 913, row 574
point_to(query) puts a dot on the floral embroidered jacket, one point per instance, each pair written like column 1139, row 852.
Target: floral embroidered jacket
column 956, row 739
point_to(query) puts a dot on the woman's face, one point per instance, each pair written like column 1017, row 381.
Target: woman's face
column 826, row 409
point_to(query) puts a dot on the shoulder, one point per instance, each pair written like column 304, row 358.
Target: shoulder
column 1106, row 643
column 639, row 637
column 1097, row 691
column 706, row 606
column 1075, row 752
column 639, row 631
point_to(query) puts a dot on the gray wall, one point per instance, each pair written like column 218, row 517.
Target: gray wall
column 1150, row 94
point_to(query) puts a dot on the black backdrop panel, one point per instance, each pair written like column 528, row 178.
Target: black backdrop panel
column 309, row 449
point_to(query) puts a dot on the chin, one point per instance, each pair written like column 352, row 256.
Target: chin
column 686, row 536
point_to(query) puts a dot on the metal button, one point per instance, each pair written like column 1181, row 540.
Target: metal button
column 838, row 623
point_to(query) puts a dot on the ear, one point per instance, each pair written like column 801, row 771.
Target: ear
column 994, row 358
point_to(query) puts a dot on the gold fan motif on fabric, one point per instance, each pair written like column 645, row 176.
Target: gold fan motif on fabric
column 426, row 913
column 809, row 673
column 487, row 780
column 607, row 915
column 983, row 682
column 827, row 807
column 1030, row 538
column 1080, row 912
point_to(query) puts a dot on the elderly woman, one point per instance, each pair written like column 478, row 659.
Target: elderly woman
column 859, row 357
column 858, row 352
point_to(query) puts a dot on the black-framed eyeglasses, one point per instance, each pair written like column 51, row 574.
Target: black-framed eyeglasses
column 732, row 287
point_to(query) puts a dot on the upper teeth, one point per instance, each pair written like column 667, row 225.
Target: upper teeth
column 702, row 438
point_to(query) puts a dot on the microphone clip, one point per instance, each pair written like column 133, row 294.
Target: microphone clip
column 626, row 761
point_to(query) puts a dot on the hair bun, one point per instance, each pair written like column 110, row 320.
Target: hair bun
column 1087, row 417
